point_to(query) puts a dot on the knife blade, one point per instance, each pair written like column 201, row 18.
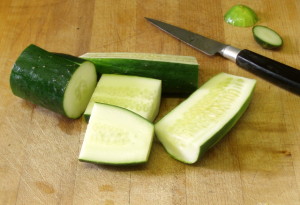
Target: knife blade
column 276, row 72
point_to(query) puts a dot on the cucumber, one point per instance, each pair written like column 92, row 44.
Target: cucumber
column 51, row 81
column 116, row 135
column 179, row 74
column 138, row 94
column 241, row 15
column 200, row 121
column 267, row 37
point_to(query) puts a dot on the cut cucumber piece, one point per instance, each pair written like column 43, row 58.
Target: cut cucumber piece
column 241, row 15
column 267, row 37
column 179, row 74
column 200, row 121
column 138, row 94
column 62, row 85
column 116, row 136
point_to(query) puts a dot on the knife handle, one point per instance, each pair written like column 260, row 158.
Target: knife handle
column 278, row 73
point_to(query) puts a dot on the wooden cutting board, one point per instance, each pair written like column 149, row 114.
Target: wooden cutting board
column 258, row 162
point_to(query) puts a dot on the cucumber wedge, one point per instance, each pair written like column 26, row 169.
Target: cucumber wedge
column 241, row 15
column 267, row 37
column 51, row 81
column 200, row 121
column 179, row 74
column 138, row 94
column 116, row 136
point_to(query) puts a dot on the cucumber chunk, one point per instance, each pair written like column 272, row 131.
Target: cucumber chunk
column 179, row 74
column 138, row 94
column 267, row 37
column 200, row 121
column 241, row 15
column 51, row 81
column 116, row 136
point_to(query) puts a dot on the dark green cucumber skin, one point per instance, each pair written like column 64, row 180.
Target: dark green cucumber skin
column 86, row 118
column 177, row 79
column 115, row 164
column 41, row 77
column 70, row 57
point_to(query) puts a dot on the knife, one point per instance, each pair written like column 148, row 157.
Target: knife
column 278, row 73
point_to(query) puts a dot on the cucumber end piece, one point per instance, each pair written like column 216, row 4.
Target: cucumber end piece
column 267, row 38
column 241, row 16
column 79, row 90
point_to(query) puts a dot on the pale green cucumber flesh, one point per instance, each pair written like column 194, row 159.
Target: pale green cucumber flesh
column 240, row 15
column 267, row 37
column 138, row 94
column 179, row 74
column 200, row 121
column 115, row 136
column 79, row 90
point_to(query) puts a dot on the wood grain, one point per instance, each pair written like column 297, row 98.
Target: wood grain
column 258, row 162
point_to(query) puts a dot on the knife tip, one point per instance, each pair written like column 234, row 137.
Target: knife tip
column 149, row 19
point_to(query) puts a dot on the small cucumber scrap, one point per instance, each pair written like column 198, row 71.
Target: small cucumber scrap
column 138, row 94
column 116, row 136
column 267, row 37
column 241, row 15
column 179, row 74
column 200, row 121
column 52, row 81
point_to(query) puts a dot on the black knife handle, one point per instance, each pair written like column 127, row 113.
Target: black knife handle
column 278, row 73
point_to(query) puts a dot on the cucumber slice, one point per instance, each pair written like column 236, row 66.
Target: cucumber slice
column 51, row 81
column 116, row 136
column 179, row 74
column 200, row 121
column 241, row 15
column 267, row 37
column 138, row 94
